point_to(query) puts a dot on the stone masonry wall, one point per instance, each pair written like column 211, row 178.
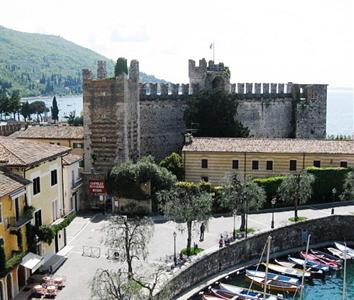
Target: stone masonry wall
column 162, row 127
column 324, row 231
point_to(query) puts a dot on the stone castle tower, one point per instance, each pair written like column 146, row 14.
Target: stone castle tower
column 125, row 119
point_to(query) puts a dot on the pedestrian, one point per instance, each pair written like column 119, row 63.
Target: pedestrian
column 221, row 241
column 202, row 229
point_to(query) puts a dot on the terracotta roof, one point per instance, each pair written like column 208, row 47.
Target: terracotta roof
column 50, row 132
column 269, row 145
column 10, row 183
column 18, row 152
column 71, row 158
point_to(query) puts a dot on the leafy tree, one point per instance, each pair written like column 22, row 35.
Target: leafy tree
column 15, row 103
column 242, row 196
column 130, row 237
column 296, row 189
column 26, row 111
column 186, row 203
column 214, row 113
column 174, row 164
column 55, row 109
column 121, row 66
column 38, row 107
column 348, row 187
column 126, row 179
column 73, row 120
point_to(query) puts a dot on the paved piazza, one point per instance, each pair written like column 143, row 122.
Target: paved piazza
column 86, row 231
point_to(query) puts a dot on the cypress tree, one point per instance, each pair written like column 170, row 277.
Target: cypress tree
column 121, row 66
column 55, row 110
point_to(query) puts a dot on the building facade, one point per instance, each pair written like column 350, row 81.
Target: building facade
column 215, row 159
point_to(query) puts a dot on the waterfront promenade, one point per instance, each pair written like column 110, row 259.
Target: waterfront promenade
column 86, row 231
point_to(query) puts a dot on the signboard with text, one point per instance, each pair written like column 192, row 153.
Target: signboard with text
column 96, row 187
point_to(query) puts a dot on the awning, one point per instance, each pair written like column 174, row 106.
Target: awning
column 32, row 261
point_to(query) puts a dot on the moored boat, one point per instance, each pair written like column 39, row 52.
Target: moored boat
column 345, row 249
column 338, row 253
column 309, row 264
column 273, row 276
column 318, row 260
column 288, row 271
column 211, row 297
column 246, row 294
column 325, row 255
column 286, row 264
column 273, row 285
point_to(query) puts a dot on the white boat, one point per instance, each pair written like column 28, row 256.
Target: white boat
column 349, row 251
column 288, row 271
column 246, row 293
column 273, row 276
column 309, row 264
column 337, row 253
column 286, row 264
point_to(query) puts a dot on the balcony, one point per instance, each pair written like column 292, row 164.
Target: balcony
column 75, row 184
column 14, row 224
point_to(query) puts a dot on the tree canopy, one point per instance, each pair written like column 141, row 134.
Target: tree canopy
column 186, row 203
column 174, row 164
column 55, row 109
column 121, row 66
column 348, row 187
column 214, row 114
column 126, row 179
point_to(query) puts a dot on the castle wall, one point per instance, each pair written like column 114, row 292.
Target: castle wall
column 162, row 127
column 267, row 117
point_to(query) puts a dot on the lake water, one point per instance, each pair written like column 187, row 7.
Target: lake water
column 340, row 109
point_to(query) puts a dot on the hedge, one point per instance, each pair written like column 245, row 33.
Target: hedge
column 270, row 186
column 325, row 180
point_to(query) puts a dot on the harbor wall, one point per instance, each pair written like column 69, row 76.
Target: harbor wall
column 324, row 231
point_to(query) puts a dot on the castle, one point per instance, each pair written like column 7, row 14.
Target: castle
column 124, row 119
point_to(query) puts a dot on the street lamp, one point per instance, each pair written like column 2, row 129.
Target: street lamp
column 174, row 248
column 334, row 191
column 234, row 231
column 273, row 201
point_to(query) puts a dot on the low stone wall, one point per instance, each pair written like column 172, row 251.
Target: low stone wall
column 284, row 240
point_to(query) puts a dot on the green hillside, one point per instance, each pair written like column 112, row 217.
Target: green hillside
column 40, row 64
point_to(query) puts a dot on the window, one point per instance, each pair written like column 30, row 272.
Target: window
column 344, row 164
column 58, row 144
column 38, row 218
column 269, row 165
column 55, row 209
column 235, row 164
column 255, row 164
column 204, row 163
column 78, row 145
column 54, row 177
column 292, row 166
column 36, row 185
column 317, row 163
column 205, row 178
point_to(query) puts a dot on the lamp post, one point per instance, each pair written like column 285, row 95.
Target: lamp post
column 334, row 191
column 273, row 201
column 174, row 248
column 234, row 231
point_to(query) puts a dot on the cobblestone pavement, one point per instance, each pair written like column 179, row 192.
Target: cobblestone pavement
column 85, row 231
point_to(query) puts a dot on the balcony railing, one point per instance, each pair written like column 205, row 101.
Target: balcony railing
column 77, row 183
column 15, row 224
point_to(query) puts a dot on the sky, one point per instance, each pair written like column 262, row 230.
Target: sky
column 302, row 41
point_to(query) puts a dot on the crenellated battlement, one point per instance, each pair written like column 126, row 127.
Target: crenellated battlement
column 269, row 89
column 150, row 91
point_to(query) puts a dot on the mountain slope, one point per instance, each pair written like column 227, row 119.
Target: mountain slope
column 39, row 64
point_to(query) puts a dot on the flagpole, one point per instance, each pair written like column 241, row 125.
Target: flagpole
column 214, row 51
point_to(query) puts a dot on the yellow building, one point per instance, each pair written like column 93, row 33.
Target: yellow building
column 214, row 159
column 42, row 165
column 68, row 136
column 14, row 215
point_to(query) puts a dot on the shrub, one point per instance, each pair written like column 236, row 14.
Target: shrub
column 174, row 164
column 325, row 180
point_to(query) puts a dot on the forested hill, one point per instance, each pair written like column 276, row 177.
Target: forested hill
column 40, row 64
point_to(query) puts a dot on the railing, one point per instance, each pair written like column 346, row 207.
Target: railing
column 77, row 183
column 15, row 224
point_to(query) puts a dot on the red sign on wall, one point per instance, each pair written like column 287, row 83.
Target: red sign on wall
column 96, row 187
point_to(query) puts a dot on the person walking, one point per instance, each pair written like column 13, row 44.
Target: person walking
column 202, row 230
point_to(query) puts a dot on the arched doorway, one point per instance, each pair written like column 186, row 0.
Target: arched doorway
column 218, row 83
column 21, row 277
column 1, row 291
column 9, row 287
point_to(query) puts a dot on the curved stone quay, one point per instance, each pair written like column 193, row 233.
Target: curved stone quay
column 324, row 231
